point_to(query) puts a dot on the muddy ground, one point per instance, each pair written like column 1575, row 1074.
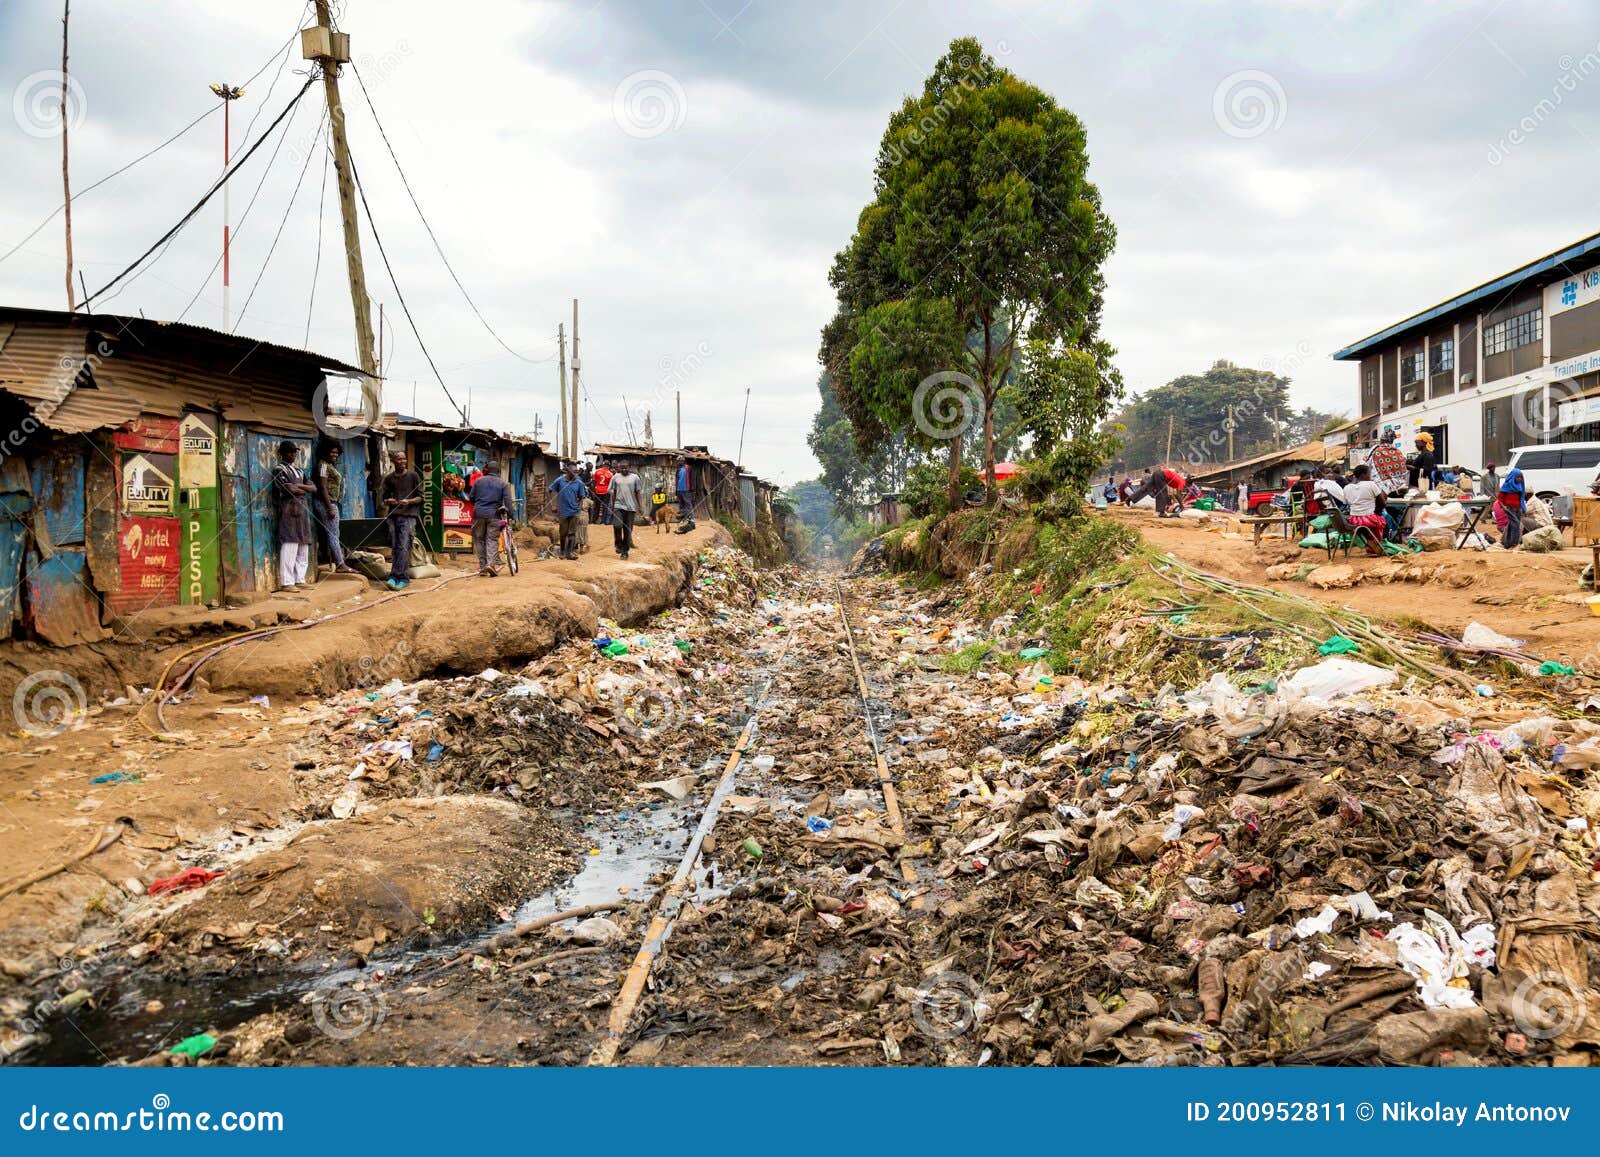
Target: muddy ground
column 1086, row 871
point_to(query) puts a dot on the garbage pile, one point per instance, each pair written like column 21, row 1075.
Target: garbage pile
column 645, row 698
column 1317, row 869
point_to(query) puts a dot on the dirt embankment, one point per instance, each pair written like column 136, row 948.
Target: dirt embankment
column 363, row 634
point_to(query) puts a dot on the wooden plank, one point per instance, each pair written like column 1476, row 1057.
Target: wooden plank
column 100, row 498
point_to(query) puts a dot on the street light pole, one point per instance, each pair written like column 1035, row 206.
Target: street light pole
column 228, row 94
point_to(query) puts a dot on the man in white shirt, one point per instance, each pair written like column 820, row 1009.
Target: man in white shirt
column 1327, row 490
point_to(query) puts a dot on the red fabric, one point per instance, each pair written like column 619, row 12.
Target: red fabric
column 602, row 480
column 184, row 881
column 1175, row 480
column 1375, row 521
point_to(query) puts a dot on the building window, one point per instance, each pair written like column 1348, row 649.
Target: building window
column 1513, row 332
column 1410, row 368
column 1442, row 356
column 1491, row 422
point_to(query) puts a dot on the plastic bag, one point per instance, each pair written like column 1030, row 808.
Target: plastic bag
column 1487, row 639
column 1333, row 678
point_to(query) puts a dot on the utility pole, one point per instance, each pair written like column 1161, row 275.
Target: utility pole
column 739, row 461
column 66, row 180
column 1168, row 461
column 331, row 49
column 228, row 93
column 561, row 342
column 1230, row 433
column 573, row 426
column 679, row 398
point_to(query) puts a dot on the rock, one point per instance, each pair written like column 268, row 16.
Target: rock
column 300, row 1032
column 1414, row 1036
column 1335, row 577
column 1284, row 572
column 597, row 930
column 869, row 997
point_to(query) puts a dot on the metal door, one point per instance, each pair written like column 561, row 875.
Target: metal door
column 197, row 484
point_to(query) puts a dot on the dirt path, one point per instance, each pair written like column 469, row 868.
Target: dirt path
column 1535, row 597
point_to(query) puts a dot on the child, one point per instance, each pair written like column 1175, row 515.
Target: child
column 658, row 505
column 587, row 503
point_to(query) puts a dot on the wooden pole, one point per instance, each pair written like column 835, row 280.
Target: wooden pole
column 573, row 424
column 1230, row 433
column 739, row 462
column 561, row 343
column 66, row 179
column 679, row 399
column 1168, row 461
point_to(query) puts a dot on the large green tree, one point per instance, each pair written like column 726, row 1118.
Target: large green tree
column 984, row 231
column 1195, row 410
column 854, row 478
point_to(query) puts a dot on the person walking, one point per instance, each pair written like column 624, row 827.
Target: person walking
column 489, row 496
column 329, row 483
column 401, row 493
column 627, row 502
column 289, row 491
column 1513, row 488
column 685, row 512
column 602, row 493
column 570, row 493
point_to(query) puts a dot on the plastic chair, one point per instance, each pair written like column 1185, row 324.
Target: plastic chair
column 1297, row 512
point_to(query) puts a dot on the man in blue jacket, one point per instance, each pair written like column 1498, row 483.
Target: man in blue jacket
column 570, row 492
column 489, row 495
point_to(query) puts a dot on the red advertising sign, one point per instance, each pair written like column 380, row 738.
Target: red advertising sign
column 148, row 549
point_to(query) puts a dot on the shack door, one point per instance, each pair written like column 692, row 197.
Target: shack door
column 261, row 457
column 197, row 483
column 148, row 533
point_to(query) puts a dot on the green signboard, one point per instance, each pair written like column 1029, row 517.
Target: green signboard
column 199, row 557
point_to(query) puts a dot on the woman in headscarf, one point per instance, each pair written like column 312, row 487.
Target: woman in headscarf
column 1424, row 467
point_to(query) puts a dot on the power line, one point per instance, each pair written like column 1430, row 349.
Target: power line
column 316, row 266
column 373, row 225
column 439, row 249
column 273, row 248
column 200, row 204
column 54, row 213
column 245, row 216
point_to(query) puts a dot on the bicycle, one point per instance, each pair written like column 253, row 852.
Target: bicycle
column 508, row 544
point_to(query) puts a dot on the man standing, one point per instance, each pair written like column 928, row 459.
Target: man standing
column 570, row 493
column 329, row 483
column 627, row 500
column 402, row 500
column 1513, row 487
column 685, row 514
column 289, row 490
column 489, row 496
column 602, row 493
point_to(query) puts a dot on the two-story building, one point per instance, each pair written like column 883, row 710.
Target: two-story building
column 1512, row 362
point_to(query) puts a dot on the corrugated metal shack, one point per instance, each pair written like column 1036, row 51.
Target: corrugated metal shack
column 440, row 451
column 713, row 482
column 135, row 461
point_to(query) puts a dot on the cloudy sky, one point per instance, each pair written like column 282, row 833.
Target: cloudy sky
column 1284, row 177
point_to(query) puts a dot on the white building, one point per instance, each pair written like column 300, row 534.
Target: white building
column 1513, row 362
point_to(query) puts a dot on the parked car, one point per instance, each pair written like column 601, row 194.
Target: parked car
column 1553, row 469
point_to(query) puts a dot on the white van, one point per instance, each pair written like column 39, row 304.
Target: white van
column 1558, row 467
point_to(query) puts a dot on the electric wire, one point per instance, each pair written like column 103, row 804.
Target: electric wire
column 437, row 248
column 316, row 265
column 273, row 248
column 190, row 215
column 406, row 309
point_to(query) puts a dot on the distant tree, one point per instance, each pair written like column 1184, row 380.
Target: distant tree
column 984, row 231
column 1197, row 408
column 813, row 502
column 1309, row 423
column 852, row 477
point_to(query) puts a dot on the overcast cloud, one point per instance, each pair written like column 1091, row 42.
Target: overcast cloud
column 1285, row 178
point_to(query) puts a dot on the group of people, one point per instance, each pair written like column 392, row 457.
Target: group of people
column 307, row 502
column 1169, row 489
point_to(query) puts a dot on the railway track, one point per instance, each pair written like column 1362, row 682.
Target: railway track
column 679, row 892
